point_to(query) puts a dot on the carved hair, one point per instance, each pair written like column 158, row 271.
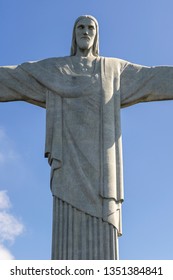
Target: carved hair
column 96, row 40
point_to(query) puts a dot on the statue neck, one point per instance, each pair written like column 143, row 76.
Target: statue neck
column 84, row 64
column 87, row 53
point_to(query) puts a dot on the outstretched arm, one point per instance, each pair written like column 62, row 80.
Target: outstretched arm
column 144, row 84
column 17, row 85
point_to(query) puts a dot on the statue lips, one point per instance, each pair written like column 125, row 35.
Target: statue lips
column 86, row 37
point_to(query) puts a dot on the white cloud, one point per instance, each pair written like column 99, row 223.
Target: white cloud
column 10, row 226
column 4, row 200
column 5, row 254
column 7, row 152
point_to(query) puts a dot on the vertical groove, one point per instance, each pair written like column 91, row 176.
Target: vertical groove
column 101, row 240
column 116, row 244
column 95, row 238
column 70, row 233
column 60, row 241
column 83, row 233
column 109, row 239
column 64, row 221
column 77, row 235
column 107, row 243
column 113, row 244
column 111, row 248
column 54, row 231
column 73, row 235
column 87, row 237
column 90, row 238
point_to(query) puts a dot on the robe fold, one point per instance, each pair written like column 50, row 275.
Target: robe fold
column 107, row 202
column 83, row 124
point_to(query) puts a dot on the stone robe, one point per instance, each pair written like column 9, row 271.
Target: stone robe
column 83, row 130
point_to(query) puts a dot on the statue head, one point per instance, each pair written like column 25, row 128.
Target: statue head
column 95, row 46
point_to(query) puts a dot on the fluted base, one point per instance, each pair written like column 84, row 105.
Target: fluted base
column 79, row 236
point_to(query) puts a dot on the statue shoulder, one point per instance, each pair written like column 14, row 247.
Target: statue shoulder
column 116, row 64
column 114, row 60
column 43, row 67
column 53, row 61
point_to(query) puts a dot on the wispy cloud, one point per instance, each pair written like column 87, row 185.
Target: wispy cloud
column 7, row 153
column 10, row 226
column 5, row 254
column 4, row 201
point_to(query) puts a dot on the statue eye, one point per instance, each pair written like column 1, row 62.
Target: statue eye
column 91, row 27
column 80, row 26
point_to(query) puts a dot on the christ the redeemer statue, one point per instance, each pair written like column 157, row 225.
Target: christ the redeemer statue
column 83, row 94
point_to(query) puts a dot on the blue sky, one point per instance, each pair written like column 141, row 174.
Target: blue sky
column 137, row 31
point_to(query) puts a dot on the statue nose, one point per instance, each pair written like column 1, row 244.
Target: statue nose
column 86, row 31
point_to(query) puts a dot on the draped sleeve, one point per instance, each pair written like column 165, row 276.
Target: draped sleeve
column 143, row 84
column 18, row 85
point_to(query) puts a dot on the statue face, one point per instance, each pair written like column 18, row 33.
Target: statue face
column 85, row 33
